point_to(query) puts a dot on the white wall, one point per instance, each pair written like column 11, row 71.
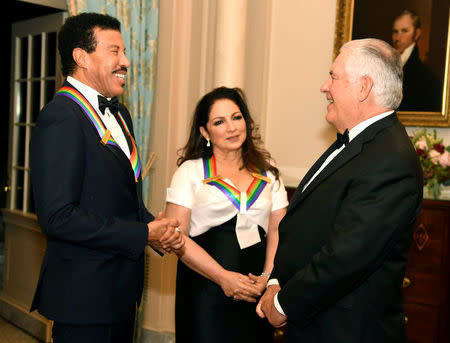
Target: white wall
column 302, row 37
column 442, row 132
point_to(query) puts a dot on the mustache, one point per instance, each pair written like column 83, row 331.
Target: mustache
column 125, row 69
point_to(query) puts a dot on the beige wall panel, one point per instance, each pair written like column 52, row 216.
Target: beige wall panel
column 300, row 56
column 184, row 73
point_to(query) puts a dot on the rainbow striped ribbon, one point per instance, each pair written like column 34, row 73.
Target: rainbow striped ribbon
column 232, row 193
column 103, row 132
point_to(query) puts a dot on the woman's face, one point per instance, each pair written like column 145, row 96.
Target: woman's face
column 226, row 127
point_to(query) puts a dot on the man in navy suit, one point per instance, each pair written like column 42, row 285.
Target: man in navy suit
column 85, row 171
column 422, row 90
column 345, row 239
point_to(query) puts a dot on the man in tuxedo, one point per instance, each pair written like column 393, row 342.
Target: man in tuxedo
column 345, row 239
column 85, row 172
column 422, row 89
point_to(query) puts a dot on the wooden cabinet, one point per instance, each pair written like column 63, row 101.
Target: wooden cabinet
column 426, row 283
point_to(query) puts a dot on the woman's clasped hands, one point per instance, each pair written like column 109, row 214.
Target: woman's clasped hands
column 242, row 287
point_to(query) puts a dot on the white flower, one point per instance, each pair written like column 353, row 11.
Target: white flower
column 444, row 159
column 434, row 156
column 422, row 143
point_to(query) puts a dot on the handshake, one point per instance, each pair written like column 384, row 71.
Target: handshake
column 164, row 234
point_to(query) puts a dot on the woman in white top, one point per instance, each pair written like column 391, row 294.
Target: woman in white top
column 229, row 199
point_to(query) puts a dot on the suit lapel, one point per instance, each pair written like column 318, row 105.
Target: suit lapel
column 310, row 173
column 122, row 159
column 119, row 153
column 125, row 133
column 126, row 161
column 116, row 151
column 343, row 157
column 348, row 153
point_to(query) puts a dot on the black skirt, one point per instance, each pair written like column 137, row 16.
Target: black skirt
column 203, row 313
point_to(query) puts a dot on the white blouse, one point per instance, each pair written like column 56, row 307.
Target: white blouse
column 210, row 207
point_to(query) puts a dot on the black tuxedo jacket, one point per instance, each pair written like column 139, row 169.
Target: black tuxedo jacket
column 90, row 209
column 344, row 241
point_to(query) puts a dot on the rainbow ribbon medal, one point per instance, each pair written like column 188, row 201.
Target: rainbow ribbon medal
column 234, row 195
column 103, row 132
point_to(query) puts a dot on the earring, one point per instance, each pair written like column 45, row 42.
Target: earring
column 208, row 143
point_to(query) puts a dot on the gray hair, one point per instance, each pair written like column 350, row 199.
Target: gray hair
column 381, row 62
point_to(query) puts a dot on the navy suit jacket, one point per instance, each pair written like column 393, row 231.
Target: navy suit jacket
column 422, row 90
column 344, row 241
column 90, row 209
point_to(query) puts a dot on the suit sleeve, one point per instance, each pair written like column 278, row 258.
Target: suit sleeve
column 146, row 216
column 57, row 163
column 380, row 204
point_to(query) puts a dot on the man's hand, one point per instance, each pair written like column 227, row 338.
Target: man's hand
column 164, row 234
column 267, row 309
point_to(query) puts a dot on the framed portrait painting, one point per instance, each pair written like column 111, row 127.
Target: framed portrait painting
column 419, row 30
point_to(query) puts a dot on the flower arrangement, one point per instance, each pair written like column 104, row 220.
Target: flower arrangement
column 434, row 158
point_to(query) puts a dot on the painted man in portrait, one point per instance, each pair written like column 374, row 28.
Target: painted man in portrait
column 421, row 88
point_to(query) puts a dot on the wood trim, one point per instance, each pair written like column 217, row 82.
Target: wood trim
column 25, row 220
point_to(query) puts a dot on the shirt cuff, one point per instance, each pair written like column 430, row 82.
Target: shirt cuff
column 272, row 282
column 277, row 305
column 275, row 298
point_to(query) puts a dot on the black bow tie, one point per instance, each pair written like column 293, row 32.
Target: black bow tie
column 112, row 104
column 342, row 139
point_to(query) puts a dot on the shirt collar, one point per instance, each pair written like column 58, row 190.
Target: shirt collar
column 406, row 53
column 88, row 92
column 356, row 130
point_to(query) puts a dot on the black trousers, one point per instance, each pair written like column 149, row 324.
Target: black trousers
column 121, row 332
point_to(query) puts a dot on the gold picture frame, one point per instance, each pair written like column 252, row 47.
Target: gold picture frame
column 343, row 33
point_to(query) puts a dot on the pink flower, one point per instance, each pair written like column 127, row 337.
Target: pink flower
column 444, row 159
column 434, row 156
column 422, row 144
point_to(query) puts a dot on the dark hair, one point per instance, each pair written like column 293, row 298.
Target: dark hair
column 254, row 156
column 414, row 17
column 78, row 32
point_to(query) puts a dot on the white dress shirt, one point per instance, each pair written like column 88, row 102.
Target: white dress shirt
column 406, row 53
column 108, row 119
column 352, row 133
